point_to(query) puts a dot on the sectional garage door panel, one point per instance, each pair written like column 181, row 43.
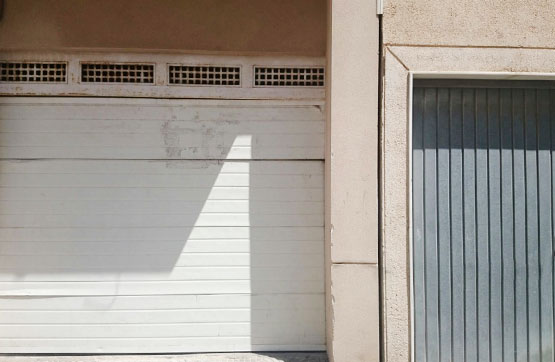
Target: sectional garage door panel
column 159, row 251
column 483, row 223
column 272, row 210
column 159, row 129
column 195, row 323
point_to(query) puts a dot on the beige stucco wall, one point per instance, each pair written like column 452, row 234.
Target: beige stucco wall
column 496, row 23
column 432, row 38
column 233, row 26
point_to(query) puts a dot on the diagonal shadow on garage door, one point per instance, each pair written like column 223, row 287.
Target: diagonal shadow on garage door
column 136, row 226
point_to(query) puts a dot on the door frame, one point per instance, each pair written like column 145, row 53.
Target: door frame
column 404, row 64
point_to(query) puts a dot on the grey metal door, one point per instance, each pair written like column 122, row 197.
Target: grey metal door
column 483, row 179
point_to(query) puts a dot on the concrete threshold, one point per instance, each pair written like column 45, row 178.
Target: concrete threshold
column 208, row 357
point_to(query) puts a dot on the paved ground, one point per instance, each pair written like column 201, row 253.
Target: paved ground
column 212, row 357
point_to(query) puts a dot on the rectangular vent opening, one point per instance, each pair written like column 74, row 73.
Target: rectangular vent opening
column 211, row 75
column 289, row 76
column 33, row 72
column 117, row 73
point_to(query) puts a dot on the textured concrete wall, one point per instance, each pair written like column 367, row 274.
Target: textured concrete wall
column 236, row 26
column 489, row 23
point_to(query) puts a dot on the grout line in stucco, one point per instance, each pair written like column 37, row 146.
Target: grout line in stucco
column 397, row 58
column 464, row 46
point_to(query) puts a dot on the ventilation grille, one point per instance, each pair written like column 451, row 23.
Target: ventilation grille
column 117, row 73
column 33, row 72
column 204, row 75
column 289, row 76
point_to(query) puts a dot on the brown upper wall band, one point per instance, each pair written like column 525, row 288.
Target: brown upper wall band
column 233, row 26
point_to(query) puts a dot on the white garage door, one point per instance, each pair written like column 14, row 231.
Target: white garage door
column 153, row 226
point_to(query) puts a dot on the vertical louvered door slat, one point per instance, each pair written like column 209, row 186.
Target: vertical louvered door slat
column 544, row 222
column 495, row 226
column 532, row 248
column 443, row 205
column 469, row 223
column 418, row 220
column 507, row 225
column 482, row 227
column 456, row 225
column 519, row 230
